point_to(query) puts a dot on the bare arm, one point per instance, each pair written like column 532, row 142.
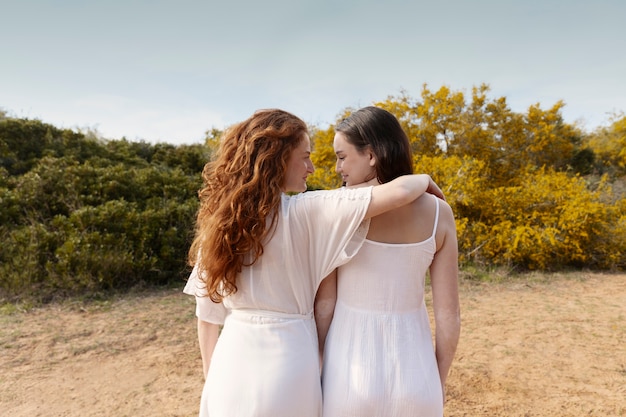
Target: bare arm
column 444, row 273
column 207, row 337
column 399, row 192
column 325, row 308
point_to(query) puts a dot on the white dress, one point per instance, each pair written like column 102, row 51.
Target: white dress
column 379, row 358
column 266, row 359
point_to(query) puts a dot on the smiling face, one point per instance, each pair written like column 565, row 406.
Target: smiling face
column 354, row 167
column 299, row 166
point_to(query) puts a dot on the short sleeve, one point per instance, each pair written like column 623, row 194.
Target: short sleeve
column 336, row 226
column 206, row 310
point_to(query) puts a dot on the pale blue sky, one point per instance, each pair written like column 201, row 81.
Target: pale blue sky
column 170, row 70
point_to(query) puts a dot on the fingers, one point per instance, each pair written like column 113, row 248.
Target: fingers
column 434, row 189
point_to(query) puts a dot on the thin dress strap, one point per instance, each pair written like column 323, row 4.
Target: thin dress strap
column 436, row 217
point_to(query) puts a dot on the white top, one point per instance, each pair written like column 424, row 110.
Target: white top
column 316, row 232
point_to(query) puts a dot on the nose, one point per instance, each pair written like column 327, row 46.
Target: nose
column 310, row 167
column 338, row 167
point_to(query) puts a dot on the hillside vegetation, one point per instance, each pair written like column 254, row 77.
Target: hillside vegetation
column 80, row 214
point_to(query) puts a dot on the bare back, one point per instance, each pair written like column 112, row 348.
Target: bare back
column 412, row 223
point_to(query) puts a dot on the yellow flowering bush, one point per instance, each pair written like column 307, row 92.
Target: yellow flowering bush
column 512, row 179
column 550, row 220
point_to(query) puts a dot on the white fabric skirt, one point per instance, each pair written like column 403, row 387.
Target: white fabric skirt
column 264, row 364
column 380, row 365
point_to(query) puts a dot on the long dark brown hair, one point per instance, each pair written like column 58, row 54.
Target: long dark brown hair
column 380, row 131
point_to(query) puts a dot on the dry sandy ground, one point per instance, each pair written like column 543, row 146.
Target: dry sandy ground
column 536, row 346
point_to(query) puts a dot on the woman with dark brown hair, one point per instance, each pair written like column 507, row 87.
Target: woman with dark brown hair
column 259, row 255
column 378, row 353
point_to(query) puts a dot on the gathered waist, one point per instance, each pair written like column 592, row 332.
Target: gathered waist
column 406, row 309
column 252, row 314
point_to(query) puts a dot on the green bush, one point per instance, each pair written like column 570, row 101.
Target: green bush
column 82, row 215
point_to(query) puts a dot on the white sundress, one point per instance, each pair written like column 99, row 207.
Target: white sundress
column 379, row 359
column 266, row 360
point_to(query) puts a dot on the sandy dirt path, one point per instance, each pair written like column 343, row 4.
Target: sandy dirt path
column 547, row 346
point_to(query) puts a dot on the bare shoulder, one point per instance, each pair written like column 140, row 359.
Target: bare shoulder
column 446, row 228
column 428, row 203
column 445, row 208
column 446, row 216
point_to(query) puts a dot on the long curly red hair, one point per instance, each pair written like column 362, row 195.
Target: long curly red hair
column 242, row 191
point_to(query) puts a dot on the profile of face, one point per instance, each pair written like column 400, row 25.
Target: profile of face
column 354, row 166
column 299, row 166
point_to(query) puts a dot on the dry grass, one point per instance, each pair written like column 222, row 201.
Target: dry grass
column 537, row 346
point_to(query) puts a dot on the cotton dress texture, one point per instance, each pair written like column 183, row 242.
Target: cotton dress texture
column 379, row 359
column 266, row 360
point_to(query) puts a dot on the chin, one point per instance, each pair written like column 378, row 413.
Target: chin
column 296, row 189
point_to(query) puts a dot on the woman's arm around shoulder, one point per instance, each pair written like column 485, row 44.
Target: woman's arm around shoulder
column 400, row 192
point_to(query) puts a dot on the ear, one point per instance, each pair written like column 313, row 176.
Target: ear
column 372, row 159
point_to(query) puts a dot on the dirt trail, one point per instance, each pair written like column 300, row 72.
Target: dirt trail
column 528, row 348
